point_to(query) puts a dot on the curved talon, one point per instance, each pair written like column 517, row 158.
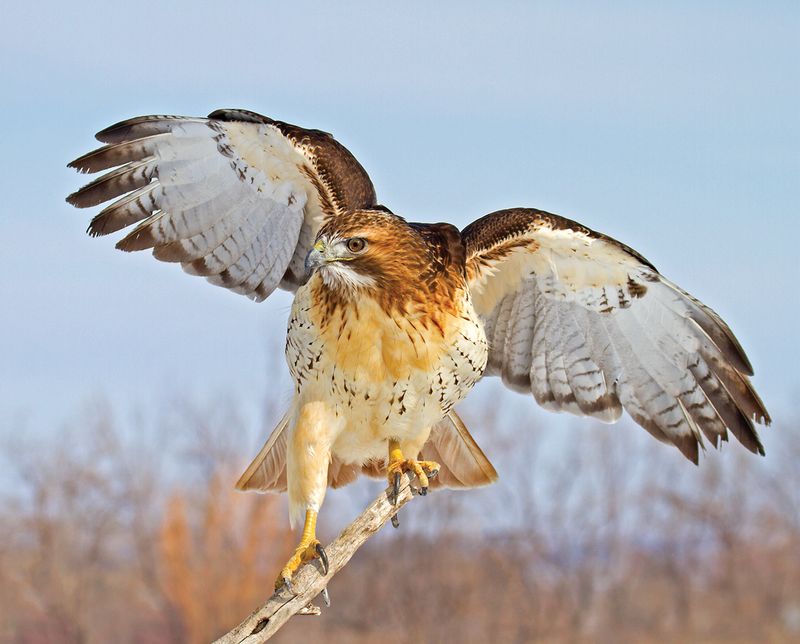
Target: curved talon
column 395, row 521
column 423, row 491
column 326, row 597
column 323, row 558
column 286, row 583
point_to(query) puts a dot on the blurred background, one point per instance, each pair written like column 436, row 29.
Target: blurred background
column 132, row 396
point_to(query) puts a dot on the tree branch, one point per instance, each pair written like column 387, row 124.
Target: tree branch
column 309, row 581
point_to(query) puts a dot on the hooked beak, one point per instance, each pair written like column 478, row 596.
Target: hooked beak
column 316, row 256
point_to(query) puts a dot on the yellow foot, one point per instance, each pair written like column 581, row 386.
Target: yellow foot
column 304, row 553
column 309, row 549
column 424, row 470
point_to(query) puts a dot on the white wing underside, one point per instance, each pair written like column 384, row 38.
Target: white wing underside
column 236, row 201
column 589, row 328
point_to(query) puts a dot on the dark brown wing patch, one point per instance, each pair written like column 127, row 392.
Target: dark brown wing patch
column 502, row 225
column 446, row 246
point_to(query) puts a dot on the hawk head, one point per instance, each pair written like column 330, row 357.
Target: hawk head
column 365, row 251
column 375, row 254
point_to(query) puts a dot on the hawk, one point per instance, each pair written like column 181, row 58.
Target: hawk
column 394, row 322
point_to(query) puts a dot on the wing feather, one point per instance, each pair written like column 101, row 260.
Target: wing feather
column 518, row 341
column 590, row 327
column 498, row 338
column 586, row 378
column 125, row 179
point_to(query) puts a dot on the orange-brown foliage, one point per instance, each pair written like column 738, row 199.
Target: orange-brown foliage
column 218, row 567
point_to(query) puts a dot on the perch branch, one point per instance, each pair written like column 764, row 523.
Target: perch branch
column 309, row 581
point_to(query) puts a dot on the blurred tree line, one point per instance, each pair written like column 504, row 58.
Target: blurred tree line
column 113, row 535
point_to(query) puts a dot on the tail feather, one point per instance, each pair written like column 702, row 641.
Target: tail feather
column 463, row 463
column 267, row 472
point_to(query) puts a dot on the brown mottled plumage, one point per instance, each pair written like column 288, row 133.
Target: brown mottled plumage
column 394, row 322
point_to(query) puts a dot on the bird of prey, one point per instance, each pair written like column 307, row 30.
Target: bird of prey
column 394, row 322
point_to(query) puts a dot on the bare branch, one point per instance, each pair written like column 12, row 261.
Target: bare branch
column 309, row 580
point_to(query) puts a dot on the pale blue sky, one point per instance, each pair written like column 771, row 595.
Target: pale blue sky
column 671, row 126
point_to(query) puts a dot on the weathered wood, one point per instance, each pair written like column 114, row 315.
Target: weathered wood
column 309, row 581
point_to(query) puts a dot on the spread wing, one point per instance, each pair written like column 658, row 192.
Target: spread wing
column 236, row 197
column 590, row 327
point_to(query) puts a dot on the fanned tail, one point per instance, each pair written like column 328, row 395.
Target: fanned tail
column 463, row 463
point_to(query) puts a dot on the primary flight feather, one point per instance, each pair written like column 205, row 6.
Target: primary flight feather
column 394, row 322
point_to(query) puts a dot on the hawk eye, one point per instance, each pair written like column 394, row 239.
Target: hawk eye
column 356, row 244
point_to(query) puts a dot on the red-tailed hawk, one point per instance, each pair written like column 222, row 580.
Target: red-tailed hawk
column 394, row 322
